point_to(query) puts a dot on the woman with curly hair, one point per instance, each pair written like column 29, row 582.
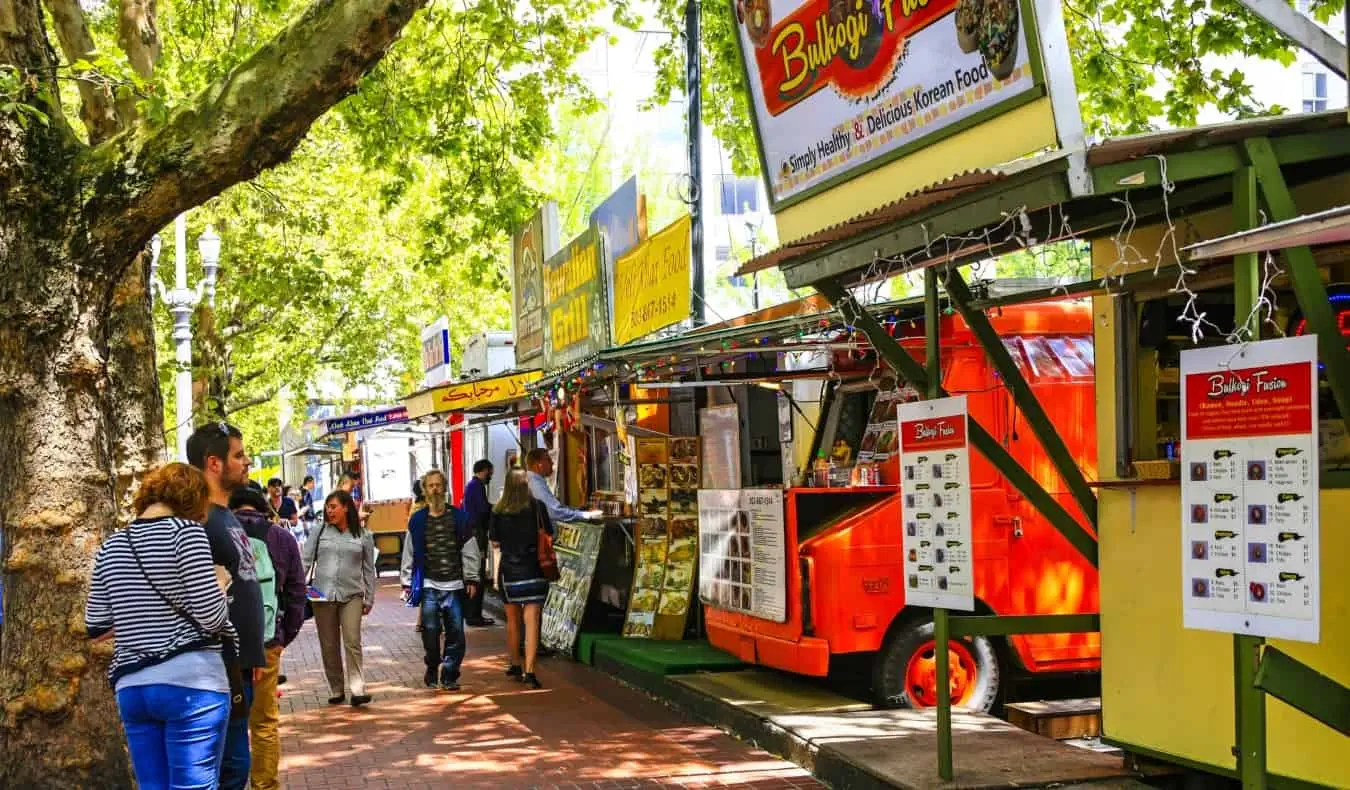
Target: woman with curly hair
column 155, row 592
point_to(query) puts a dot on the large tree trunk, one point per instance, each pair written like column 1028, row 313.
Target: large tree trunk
column 80, row 412
column 59, row 475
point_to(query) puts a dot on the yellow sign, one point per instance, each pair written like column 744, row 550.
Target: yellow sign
column 470, row 395
column 651, row 284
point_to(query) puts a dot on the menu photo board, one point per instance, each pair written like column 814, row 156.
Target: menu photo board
column 667, row 537
column 1249, row 489
column 837, row 87
column 576, row 313
column 743, row 552
column 936, row 502
column 578, row 547
column 881, row 438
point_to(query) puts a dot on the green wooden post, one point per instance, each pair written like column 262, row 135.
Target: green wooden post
column 1250, row 701
column 941, row 634
column 1026, row 400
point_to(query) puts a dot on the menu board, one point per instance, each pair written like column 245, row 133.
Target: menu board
column 577, row 546
column 668, row 473
column 935, row 489
column 742, row 542
column 882, row 437
column 1249, row 489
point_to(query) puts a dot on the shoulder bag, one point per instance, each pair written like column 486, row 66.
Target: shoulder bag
column 238, row 702
column 548, row 558
column 312, row 594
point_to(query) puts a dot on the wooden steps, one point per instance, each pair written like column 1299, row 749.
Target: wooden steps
column 1063, row 719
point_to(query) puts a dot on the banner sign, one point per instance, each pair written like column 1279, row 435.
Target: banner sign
column 652, row 284
column 616, row 225
column 471, row 395
column 436, row 352
column 576, row 315
column 935, row 484
column 1249, row 491
column 530, row 246
column 371, row 419
column 837, row 86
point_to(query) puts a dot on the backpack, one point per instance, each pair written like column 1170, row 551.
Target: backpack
column 267, row 580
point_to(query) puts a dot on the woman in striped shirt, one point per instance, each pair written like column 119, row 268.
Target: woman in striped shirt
column 156, row 593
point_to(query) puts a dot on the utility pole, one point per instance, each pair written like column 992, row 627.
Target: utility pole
column 753, row 232
column 694, row 94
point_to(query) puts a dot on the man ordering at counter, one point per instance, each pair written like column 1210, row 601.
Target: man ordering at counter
column 539, row 465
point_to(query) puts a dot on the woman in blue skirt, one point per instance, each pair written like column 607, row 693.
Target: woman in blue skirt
column 515, row 525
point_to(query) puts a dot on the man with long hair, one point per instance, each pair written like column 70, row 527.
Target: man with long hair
column 449, row 570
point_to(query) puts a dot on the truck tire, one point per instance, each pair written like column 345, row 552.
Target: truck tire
column 904, row 674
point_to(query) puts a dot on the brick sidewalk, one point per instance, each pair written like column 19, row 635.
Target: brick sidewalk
column 583, row 730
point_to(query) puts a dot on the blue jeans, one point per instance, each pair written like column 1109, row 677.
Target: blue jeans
column 175, row 734
column 234, row 767
column 443, row 612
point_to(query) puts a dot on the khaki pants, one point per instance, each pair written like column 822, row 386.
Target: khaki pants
column 339, row 627
column 263, row 719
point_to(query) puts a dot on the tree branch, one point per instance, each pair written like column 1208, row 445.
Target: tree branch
column 138, row 36
column 257, row 400
column 96, row 102
column 250, row 120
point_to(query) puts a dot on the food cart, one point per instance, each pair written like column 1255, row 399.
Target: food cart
column 1266, row 708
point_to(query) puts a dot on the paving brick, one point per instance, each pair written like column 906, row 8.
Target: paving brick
column 583, row 731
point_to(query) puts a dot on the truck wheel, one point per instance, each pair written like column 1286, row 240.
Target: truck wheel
column 905, row 672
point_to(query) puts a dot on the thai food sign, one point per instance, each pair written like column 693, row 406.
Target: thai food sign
column 841, row 85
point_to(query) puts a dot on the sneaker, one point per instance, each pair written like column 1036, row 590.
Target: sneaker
column 338, row 700
column 281, row 680
column 531, row 681
column 450, row 685
column 360, row 699
column 482, row 622
column 514, row 671
column 431, row 678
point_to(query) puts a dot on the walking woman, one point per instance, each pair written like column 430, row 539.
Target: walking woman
column 514, row 529
column 155, row 592
column 340, row 561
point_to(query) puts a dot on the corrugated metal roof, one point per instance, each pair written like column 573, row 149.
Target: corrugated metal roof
column 1106, row 152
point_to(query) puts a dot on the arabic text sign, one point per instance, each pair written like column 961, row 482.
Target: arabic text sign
column 835, row 87
column 374, row 419
column 576, row 317
column 651, row 284
column 476, row 394
column 1249, row 471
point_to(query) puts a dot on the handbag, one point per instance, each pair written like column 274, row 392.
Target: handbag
column 238, row 702
column 312, row 594
column 548, row 558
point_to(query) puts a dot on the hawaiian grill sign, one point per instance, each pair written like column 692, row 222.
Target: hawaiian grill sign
column 576, row 312
column 840, row 84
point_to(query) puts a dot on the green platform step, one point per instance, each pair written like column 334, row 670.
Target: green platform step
column 654, row 656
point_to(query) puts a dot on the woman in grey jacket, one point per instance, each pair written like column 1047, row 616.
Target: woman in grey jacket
column 340, row 561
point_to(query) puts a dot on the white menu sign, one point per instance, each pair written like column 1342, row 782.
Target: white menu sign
column 742, row 548
column 1249, row 489
column 935, row 486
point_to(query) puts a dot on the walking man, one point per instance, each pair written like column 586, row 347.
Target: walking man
column 217, row 449
column 477, row 512
column 281, row 504
column 448, row 568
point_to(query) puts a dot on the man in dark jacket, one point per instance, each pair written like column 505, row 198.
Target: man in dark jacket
column 448, row 568
column 477, row 512
column 251, row 508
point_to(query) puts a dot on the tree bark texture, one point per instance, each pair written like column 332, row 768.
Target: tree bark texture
column 80, row 408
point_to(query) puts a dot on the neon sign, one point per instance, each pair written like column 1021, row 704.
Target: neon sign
column 1339, row 296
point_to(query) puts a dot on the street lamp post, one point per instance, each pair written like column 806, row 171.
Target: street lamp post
column 182, row 300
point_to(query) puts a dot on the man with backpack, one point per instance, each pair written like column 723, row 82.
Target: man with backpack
column 282, row 577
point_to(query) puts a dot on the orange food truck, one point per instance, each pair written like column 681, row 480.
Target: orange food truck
column 845, row 591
